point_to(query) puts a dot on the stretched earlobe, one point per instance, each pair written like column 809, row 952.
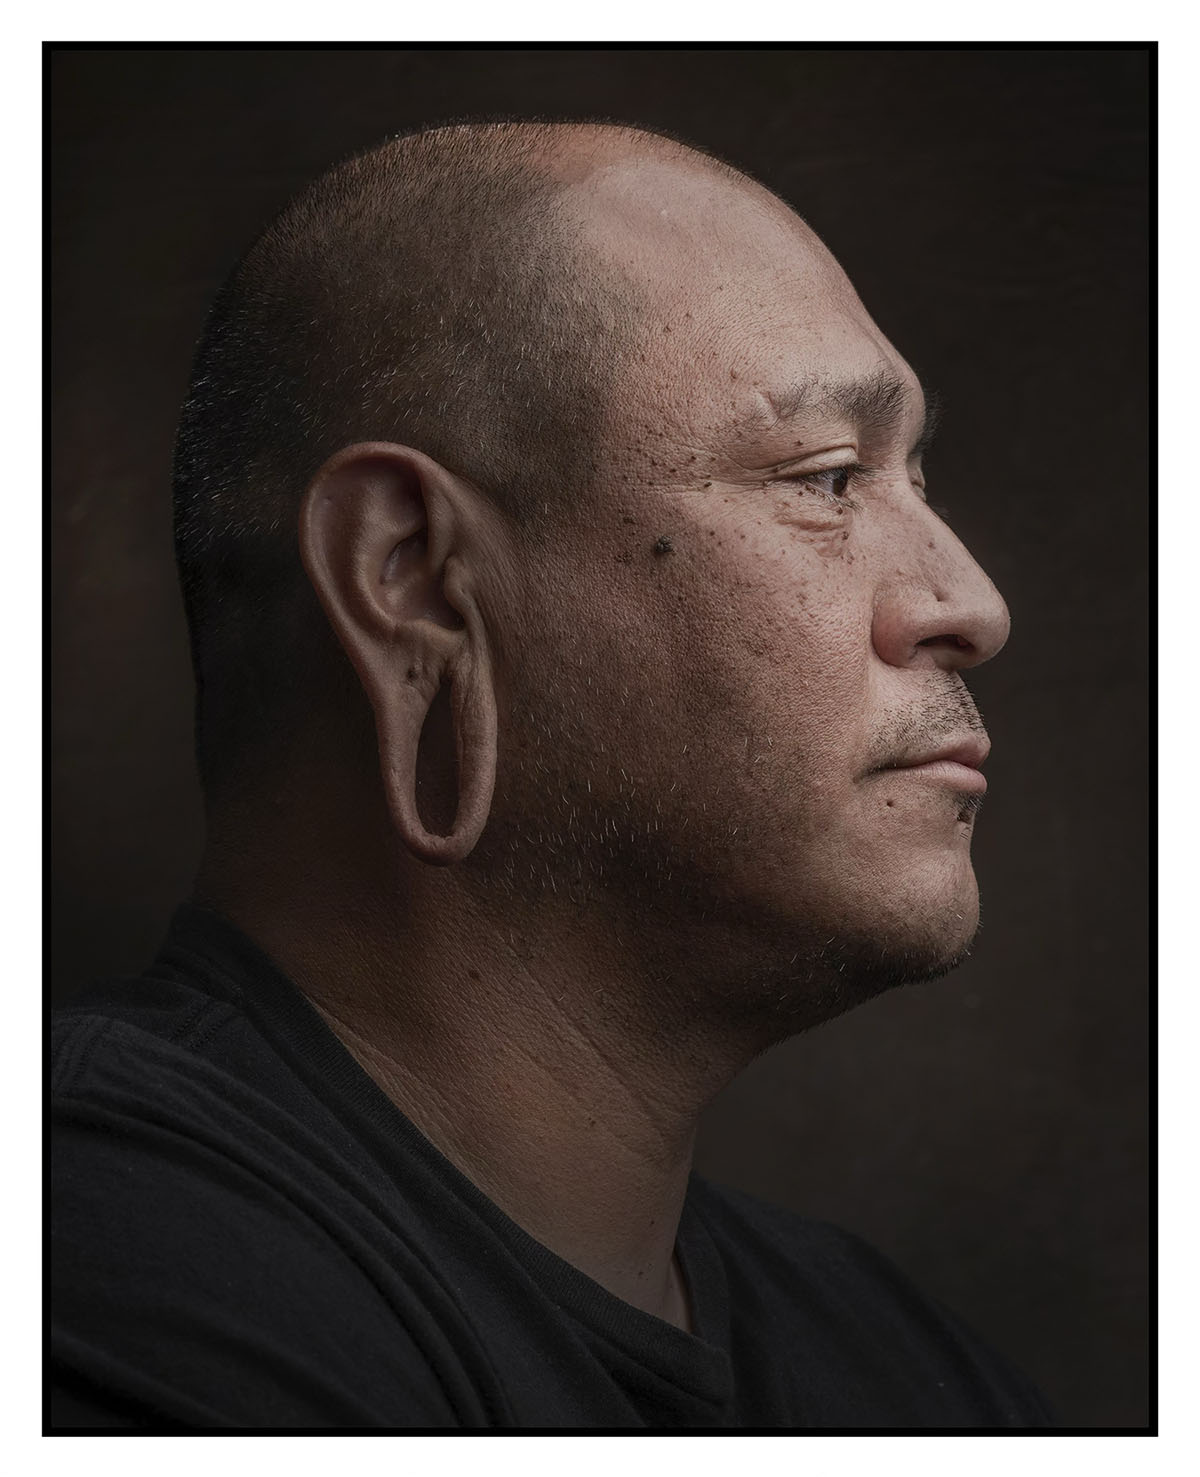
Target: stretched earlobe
column 400, row 722
column 381, row 532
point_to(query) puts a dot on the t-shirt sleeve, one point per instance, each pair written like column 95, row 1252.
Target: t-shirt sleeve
column 187, row 1291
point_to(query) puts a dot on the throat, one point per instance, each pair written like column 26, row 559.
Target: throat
column 587, row 1171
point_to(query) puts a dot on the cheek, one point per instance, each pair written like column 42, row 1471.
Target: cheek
column 727, row 669
column 595, row 680
column 774, row 631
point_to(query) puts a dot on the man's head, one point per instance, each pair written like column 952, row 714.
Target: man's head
column 611, row 491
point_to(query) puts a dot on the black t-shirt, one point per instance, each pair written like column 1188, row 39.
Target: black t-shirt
column 246, row 1232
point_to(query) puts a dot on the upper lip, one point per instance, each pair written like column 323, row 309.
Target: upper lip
column 970, row 749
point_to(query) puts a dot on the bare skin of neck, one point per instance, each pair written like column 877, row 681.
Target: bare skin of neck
column 505, row 1035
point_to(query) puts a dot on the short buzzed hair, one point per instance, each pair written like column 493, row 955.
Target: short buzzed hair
column 428, row 292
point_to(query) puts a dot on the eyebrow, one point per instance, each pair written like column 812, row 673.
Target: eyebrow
column 876, row 403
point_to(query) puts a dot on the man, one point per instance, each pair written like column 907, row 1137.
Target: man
column 580, row 712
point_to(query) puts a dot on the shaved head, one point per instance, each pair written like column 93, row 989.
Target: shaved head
column 431, row 292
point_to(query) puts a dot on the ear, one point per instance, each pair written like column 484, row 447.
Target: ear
column 380, row 537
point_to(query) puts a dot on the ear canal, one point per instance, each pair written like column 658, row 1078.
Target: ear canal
column 473, row 707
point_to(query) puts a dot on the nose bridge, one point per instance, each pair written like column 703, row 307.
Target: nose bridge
column 933, row 589
column 948, row 566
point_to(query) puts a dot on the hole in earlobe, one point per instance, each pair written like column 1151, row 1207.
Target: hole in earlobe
column 437, row 769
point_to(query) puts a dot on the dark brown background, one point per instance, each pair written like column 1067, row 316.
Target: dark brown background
column 989, row 1131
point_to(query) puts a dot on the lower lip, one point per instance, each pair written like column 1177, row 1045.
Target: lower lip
column 969, row 781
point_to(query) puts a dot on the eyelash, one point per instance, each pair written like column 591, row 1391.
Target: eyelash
column 853, row 472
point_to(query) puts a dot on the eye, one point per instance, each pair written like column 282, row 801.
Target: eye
column 831, row 484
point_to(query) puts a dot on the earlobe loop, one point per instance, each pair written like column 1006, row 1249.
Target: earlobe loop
column 473, row 708
column 473, row 703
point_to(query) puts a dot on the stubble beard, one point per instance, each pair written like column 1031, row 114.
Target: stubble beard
column 754, row 969
column 849, row 968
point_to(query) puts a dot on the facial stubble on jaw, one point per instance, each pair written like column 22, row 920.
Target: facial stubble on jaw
column 793, row 973
column 845, row 962
column 586, row 855
column 644, row 845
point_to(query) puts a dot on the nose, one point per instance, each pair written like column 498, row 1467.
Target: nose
column 934, row 606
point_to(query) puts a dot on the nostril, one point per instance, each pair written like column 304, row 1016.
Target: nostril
column 958, row 642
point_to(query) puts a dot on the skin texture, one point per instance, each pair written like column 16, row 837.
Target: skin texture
column 630, row 825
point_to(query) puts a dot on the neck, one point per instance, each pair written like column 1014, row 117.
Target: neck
column 549, row 1057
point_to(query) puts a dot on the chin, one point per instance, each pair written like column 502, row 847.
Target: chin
column 855, row 970
column 853, row 955
column 924, row 926
column 914, row 956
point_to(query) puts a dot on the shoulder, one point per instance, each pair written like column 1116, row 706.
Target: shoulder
column 209, row 1259
column 161, row 1050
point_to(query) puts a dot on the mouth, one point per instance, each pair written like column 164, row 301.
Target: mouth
column 957, row 762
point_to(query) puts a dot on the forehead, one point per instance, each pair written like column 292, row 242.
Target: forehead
column 745, row 318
